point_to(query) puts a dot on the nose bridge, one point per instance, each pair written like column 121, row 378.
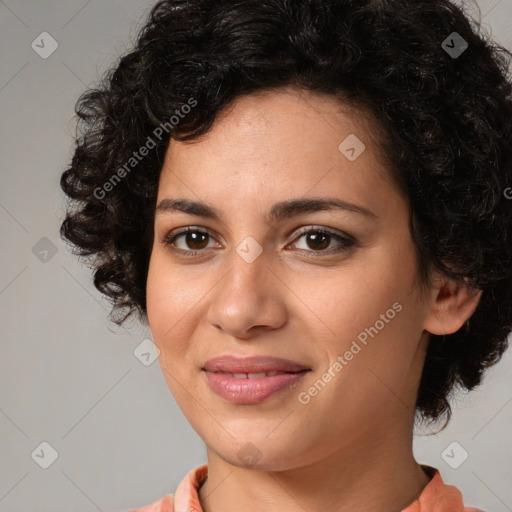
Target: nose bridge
column 247, row 274
column 246, row 295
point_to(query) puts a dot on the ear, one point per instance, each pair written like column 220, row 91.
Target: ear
column 451, row 306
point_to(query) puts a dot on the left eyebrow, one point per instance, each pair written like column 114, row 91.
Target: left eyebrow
column 279, row 211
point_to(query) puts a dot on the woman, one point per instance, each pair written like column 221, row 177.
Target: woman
column 307, row 203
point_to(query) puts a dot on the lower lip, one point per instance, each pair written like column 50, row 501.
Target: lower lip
column 250, row 391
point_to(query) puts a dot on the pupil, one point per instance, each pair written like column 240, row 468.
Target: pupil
column 316, row 237
column 191, row 239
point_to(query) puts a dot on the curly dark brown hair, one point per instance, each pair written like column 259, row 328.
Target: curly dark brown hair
column 446, row 112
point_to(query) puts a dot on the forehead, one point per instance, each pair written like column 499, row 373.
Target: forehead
column 285, row 141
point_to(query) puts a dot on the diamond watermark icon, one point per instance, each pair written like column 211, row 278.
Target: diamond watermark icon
column 44, row 455
column 146, row 352
column 454, row 455
column 454, row 45
column 44, row 45
column 249, row 455
column 44, row 250
column 352, row 147
column 249, row 249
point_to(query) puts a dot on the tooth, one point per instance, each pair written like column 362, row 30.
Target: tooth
column 240, row 375
column 270, row 374
column 256, row 375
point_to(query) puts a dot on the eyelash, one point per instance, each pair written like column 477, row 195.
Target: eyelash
column 346, row 241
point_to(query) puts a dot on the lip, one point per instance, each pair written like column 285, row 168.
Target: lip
column 252, row 364
column 242, row 390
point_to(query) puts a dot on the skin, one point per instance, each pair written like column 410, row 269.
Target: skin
column 350, row 447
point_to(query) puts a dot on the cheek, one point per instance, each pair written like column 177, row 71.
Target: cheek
column 155, row 299
column 173, row 306
column 164, row 311
column 168, row 296
column 163, row 308
column 371, row 306
column 348, row 301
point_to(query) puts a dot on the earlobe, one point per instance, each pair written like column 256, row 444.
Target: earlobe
column 452, row 305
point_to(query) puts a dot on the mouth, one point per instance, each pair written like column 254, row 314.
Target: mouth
column 251, row 380
column 252, row 365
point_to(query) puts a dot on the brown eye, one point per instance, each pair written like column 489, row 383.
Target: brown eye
column 319, row 239
column 189, row 240
column 195, row 240
column 192, row 241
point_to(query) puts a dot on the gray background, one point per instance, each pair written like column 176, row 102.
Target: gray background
column 68, row 376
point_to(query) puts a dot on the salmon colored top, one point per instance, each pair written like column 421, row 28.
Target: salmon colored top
column 435, row 497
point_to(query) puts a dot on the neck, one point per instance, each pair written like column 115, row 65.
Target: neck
column 374, row 475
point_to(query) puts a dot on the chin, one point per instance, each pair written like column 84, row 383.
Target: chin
column 260, row 454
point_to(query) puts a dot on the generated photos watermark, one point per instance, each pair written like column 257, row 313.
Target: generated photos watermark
column 305, row 397
column 149, row 144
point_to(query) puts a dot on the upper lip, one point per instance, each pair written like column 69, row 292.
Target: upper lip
column 252, row 364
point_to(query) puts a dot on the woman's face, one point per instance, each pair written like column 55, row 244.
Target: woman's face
column 244, row 284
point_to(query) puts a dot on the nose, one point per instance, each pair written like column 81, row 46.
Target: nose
column 248, row 298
